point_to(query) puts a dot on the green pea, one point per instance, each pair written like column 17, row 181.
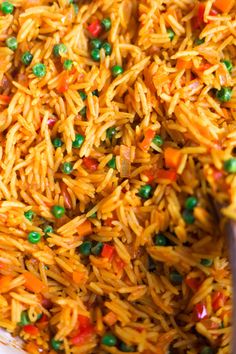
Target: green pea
column 39, row 70
column 228, row 64
column 109, row 340
column 106, row 24
column 55, row 344
column 157, row 140
column 48, row 229
column 95, row 93
column 127, row 348
column 207, row 262
column 199, row 41
column 97, row 249
column 116, row 70
column 26, row 58
column 68, row 64
column 112, row 163
column 176, row 278
column 57, row 142
column 78, row 142
column 145, row 191
column 207, row 350
column 83, row 112
column 67, row 168
column 107, row 48
column 111, row 132
column 191, row 203
column 95, row 54
column 7, row 8
column 93, row 216
column 85, row 248
column 188, row 217
column 24, row 319
column 224, row 94
column 83, row 95
column 160, row 240
column 11, row 43
column 59, row 49
column 230, row 165
column 34, row 237
column 96, row 43
column 29, row 215
column 171, row 34
column 57, row 211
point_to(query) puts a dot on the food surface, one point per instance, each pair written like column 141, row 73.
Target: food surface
column 117, row 121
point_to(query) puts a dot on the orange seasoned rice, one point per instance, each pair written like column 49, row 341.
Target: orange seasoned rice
column 117, row 121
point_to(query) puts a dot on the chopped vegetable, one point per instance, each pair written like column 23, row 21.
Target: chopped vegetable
column 96, row 43
column 78, row 277
column 106, row 24
column 157, row 140
column 230, row 165
column 68, row 64
column 95, row 54
column 63, row 82
column 170, row 175
column 184, row 64
column 7, row 7
column 78, row 142
column 83, row 95
column 32, row 283
column 47, row 229
column 95, row 28
column 127, row 348
column 172, row 157
column 148, row 138
column 109, row 340
column 5, row 281
column 191, row 203
column 199, row 41
column 188, row 217
column 160, row 240
column 29, row 215
column 95, row 93
column 85, row 248
column 59, row 49
column 107, row 48
column 145, row 191
column 57, row 211
column 39, row 70
column 83, row 112
column 84, row 229
column 176, row 278
column 193, row 283
column 207, row 350
column 108, row 251
column 171, row 34
column 207, row 262
column 224, row 6
column 111, row 132
column 228, row 64
column 116, row 70
column 11, row 43
column 90, row 163
column 218, row 300
column 224, row 95
column 34, row 237
column 112, row 163
column 67, row 168
column 55, row 344
column 199, row 312
column 31, row 329
column 110, row 318
column 83, row 335
column 26, row 58
column 57, row 142
column 24, row 318
column 66, row 195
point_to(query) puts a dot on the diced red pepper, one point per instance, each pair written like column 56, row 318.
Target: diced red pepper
column 82, row 336
column 95, row 28
column 51, row 122
column 209, row 324
column 108, row 251
column 84, row 322
column 43, row 319
column 167, row 174
column 148, row 136
column 198, row 20
column 218, row 300
column 150, row 174
column 31, row 329
column 199, row 312
column 90, row 163
column 193, row 283
column 63, row 84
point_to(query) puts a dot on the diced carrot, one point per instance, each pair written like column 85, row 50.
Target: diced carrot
column 85, row 228
column 63, row 84
column 171, row 175
column 110, row 318
column 32, row 283
column 148, row 136
column 172, row 157
column 224, row 5
column 184, row 64
column 5, row 281
column 78, row 277
column 203, row 67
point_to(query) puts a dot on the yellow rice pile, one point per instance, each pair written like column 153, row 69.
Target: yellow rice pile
column 150, row 313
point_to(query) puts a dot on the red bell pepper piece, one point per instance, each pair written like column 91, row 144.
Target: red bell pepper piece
column 51, row 122
column 150, row 174
column 31, row 329
column 90, row 163
column 199, row 311
column 107, row 251
column 193, row 283
column 167, row 174
column 95, row 28
column 218, row 300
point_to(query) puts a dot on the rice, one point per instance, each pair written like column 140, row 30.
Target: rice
column 108, row 240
